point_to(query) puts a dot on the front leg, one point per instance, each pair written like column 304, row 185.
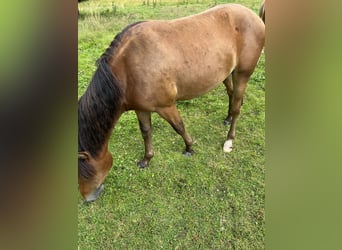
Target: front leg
column 146, row 132
column 172, row 116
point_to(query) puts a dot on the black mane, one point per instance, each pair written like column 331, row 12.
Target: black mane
column 98, row 107
column 109, row 51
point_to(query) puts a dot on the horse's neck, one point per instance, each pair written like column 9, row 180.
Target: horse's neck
column 104, row 148
column 115, row 121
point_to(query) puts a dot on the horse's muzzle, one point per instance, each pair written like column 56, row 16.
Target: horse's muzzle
column 93, row 196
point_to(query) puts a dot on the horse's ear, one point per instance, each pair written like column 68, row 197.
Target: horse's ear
column 83, row 156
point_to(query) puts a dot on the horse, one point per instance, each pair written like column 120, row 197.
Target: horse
column 150, row 65
column 262, row 11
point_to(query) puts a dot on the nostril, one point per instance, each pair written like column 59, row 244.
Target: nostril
column 95, row 194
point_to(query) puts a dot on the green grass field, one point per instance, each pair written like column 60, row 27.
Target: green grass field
column 211, row 200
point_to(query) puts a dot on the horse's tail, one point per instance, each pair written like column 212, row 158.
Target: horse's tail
column 262, row 11
column 262, row 15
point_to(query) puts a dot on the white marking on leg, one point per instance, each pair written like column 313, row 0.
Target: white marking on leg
column 228, row 146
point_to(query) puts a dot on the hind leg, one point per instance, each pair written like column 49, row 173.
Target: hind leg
column 228, row 82
column 146, row 132
column 171, row 115
column 239, row 85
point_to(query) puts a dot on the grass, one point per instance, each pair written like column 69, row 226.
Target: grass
column 211, row 200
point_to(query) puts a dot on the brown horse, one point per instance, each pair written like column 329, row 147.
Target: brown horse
column 151, row 65
column 262, row 11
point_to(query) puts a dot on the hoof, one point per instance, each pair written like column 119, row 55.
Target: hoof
column 188, row 154
column 142, row 164
column 227, row 121
column 228, row 146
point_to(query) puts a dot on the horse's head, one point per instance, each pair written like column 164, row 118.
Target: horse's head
column 92, row 173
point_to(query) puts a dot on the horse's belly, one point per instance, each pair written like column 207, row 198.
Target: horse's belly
column 194, row 90
column 200, row 82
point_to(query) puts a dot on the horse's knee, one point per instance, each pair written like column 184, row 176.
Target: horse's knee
column 145, row 131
